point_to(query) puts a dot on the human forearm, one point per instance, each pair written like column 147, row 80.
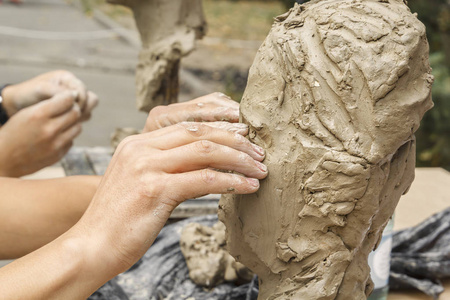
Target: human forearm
column 70, row 267
column 148, row 176
column 34, row 212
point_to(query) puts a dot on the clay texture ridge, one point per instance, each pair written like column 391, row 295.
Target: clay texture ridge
column 168, row 32
column 208, row 262
column 334, row 95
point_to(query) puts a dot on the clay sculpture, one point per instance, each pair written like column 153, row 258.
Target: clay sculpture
column 168, row 32
column 334, row 95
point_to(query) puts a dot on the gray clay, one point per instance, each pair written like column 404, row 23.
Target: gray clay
column 209, row 263
column 335, row 94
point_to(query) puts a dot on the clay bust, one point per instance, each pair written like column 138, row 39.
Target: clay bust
column 335, row 94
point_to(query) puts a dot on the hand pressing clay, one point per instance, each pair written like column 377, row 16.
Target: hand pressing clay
column 168, row 32
column 335, row 94
column 209, row 263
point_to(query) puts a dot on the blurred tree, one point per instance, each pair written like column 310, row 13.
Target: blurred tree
column 433, row 136
column 435, row 14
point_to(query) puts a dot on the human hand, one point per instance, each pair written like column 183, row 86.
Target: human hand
column 45, row 86
column 209, row 108
column 151, row 173
column 39, row 135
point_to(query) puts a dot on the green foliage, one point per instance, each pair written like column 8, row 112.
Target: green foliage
column 433, row 137
column 435, row 14
column 245, row 20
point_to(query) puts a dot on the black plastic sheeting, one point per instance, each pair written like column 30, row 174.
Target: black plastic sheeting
column 162, row 274
column 420, row 258
column 420, row 255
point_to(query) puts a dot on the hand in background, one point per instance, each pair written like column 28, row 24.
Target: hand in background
column 39, row 135
column 45, row 86
column 210, row 108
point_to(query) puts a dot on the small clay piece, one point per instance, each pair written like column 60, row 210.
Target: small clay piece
column 208, row 262
column 335, row 94
column 168, row 32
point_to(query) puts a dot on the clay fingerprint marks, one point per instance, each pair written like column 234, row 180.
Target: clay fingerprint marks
column 168, row 32
column 330, row 195
column 359, row 56
column 345, row 107
column 387, row 183
column 208, row 262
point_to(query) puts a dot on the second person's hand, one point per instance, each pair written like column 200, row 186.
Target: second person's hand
column 39, row 135
column 45, row 86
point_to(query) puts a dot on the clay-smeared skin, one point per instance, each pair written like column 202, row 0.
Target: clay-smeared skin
column 334, row 95
column 168, row 32
column 208, row 262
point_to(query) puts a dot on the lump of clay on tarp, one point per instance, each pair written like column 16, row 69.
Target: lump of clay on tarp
column 168, row 32
column 208, row 262
column 334, row 95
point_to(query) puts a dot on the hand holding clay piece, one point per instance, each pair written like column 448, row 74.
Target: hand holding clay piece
column 335, row 94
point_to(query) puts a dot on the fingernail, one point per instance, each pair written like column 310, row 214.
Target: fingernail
column 240, row 131
column 258, row 149
column 240, row 125
column 200, row 104
column 77, row 108
column 261, row 166
column 75, row 94
column 253, row 182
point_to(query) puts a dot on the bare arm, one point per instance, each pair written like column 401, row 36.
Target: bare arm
column 35, row 212
column 149, row 175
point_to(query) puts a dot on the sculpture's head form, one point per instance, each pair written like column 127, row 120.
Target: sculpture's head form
column 349, row 71
column 335, row 95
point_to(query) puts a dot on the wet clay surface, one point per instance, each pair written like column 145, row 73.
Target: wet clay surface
column 168, row 32
column 209, row 263
column 334, row 95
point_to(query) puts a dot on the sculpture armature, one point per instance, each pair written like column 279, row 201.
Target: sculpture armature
column 334, row 95
column 168, row 32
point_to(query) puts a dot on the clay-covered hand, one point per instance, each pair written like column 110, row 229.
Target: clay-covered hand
column 45, row 86
column 210, row 108
column 151, row 173
column 39, row 135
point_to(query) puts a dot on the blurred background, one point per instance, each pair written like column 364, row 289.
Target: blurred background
column 105, row 60
column 251, row 20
